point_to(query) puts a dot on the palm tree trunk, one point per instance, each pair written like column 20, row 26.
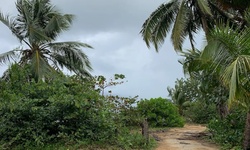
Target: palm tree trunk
column 246, row 141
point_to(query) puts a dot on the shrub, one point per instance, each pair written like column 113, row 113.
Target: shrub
column 229, row 131
column 63, row 109
column 54, row 112
column 200, row 112
column 57, row 113
column 160, row 113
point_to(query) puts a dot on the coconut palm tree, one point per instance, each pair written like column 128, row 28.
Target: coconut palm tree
column 229, row 53
column 210, row 86
column 37, row 26
column 182, row 94
column 186, row 17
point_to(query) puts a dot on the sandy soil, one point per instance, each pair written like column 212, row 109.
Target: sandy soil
column 190, row 137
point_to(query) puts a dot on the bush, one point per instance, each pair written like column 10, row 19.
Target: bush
column 160, row 113
column 57, row 113
column 49, row 113
column 229, row 131
column 133, row 140
column 200, row 112
column 63, row 109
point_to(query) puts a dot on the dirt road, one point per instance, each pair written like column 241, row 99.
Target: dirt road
column 187, row 138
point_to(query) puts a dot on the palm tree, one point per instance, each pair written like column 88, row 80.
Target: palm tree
column 181, row 94
column 211, row 88
column 229, row 53
column 37, row 26
column 186, row 17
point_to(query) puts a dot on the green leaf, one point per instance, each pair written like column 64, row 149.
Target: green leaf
column 204, row 7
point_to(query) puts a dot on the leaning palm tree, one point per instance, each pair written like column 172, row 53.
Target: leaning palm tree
column 229, row 53
column 186, row 17
column 37, row 26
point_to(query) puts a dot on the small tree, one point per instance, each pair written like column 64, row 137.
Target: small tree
column 160, row 112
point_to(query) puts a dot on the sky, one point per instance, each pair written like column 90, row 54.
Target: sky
column 112, row 27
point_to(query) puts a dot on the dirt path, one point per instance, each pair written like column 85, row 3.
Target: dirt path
column 187, row 138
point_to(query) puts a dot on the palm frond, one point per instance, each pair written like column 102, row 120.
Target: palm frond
column 10, row 23
column 36, row 35
column 192, row 64
column 192, row 28
column 24, row 19
column 204, row 7
column 77, row 67
column 229, row 51
column 247, row 16
column 57, row 24
column 179, row 29
column 155, row 28
column 8, row 56
column 230, row 77
column 70, row 55
column 59, row 45
column 5, row 20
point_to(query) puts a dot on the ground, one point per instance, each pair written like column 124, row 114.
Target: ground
column 190, row 137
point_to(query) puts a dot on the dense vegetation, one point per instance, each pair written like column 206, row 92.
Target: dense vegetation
column 64, row 110
column 217, row 77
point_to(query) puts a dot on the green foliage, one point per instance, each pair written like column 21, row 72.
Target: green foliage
column 134, row 140
column 200, row 112
column 160, row 113
column 37, row 26
column 44, row 113
column 62, row 112
column 184, row 93
column 124, row 107
column 102, row 83
column 229, row 131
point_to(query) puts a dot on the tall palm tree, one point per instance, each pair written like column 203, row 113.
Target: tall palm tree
column 186, row 17
column 229, row 52
column 37, row 26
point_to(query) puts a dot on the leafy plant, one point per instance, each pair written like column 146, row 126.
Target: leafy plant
column 160, row 112
column 229, row 131
column 62, row 111
column 37, row 113
column 200, row 112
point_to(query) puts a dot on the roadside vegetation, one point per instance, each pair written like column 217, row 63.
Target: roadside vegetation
column 216, row 88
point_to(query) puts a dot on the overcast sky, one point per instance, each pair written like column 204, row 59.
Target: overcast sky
column 112, row 27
